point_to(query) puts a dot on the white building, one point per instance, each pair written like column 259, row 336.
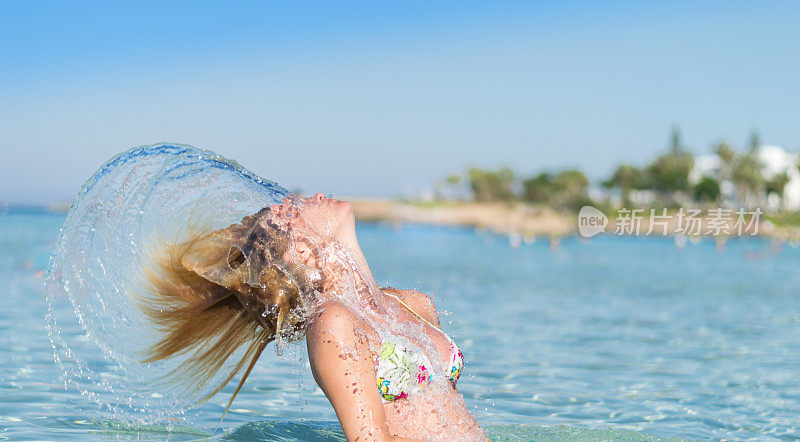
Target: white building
column 708, row 165
column 774, row 159
column 704, row 165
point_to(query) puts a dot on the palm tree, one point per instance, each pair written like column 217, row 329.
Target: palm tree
column 746, row 174
column 727, row 159
column 675, row 142
column 777, row 184
column 755, row 140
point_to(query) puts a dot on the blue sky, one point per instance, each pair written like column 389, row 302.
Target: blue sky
column 383, row 98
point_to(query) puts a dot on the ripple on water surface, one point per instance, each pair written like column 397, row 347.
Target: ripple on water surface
column 614, row 338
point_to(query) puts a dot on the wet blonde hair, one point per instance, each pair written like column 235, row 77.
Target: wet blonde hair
column 216, row 292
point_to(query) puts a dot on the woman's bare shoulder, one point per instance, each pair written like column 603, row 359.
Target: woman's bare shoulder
column 333, row 317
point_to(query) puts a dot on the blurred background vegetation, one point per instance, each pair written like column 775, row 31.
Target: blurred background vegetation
column 748, row 177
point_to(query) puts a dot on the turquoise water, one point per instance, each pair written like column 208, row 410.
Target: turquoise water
column 616, row 338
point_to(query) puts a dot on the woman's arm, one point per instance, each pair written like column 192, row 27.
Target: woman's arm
column 344, row 368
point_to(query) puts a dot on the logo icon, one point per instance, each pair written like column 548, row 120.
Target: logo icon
column 591, row 221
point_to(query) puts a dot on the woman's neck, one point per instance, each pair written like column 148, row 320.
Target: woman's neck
column 364, row 279
column 349, row 242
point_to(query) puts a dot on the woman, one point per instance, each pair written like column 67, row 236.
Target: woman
column 379, row 355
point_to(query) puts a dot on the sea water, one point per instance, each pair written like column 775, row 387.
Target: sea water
column 613, row 338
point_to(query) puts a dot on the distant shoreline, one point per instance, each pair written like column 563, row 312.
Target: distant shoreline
column 503, row 218
column 518, row 219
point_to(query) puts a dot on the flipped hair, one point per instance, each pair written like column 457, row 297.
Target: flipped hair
column 219, row 291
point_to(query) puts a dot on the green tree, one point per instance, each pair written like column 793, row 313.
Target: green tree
column 625, row 178
column 571, row 182
column 747, row 176
column 727, row 159
column 564, row 190
column 675, row 140
column 448, row 187
column 755, row 140
column 777, row 184
column 453, row 179
column 491, row 185
column 571, row 186
column 707, row 190
column 669, row 173
column 538, row 189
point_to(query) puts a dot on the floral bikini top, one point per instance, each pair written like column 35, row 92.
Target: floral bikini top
column 402, row 369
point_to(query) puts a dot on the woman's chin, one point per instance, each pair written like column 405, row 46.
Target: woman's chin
column 345, row 210
column 348, row 226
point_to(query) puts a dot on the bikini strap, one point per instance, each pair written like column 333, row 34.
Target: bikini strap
column 416, row 314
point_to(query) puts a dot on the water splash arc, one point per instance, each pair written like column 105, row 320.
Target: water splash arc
column 144, row 196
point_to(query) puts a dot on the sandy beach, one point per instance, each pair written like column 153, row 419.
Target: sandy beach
column 497, row 217
column 533, row 221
